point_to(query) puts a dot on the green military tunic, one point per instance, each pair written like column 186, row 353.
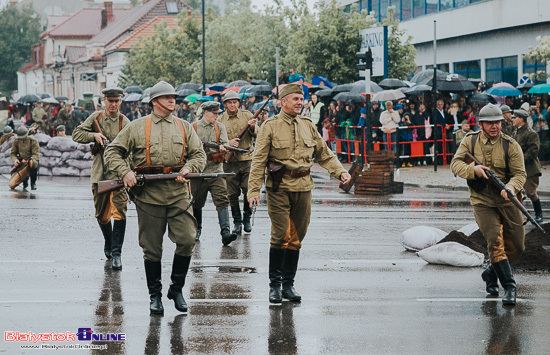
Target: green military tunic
column 26, row 148
column 529, row 142
column 38, row 113
column 507, row 127
column 291, row 141
column 65, row 118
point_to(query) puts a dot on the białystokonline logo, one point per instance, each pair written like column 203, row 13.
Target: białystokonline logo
column 83, row 334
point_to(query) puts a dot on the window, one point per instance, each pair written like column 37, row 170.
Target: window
column 431, row 6
column 470, row 69
column 172, row 7
column 406, row 9
column 418, row 8
column 502, row 69
column 375, row 6
column 397, row 11
column 444, row 67
column 384, row 9
column 445, row 5
column 459, row 3
column 532, row 67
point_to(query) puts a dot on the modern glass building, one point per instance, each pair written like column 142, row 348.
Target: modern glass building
column 482, row 39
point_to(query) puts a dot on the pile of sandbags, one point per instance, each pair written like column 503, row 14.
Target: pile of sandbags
column 59, row 156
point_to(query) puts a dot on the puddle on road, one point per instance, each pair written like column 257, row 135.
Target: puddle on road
column 224, row 269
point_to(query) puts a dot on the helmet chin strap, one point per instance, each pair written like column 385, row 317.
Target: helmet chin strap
column 164, row 107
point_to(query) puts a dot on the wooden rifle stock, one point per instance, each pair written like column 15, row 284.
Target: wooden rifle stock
column 111, row 185
column 228, row 147
column 229, row 155
column 499, row 185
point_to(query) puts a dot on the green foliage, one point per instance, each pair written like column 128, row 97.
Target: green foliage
column 20, row 29
column 401, row 53
column 541, row 54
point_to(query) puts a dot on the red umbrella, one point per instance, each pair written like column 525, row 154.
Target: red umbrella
column 233, row 88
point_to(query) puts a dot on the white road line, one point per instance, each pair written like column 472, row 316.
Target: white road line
column 492, row 299
column 387, row 261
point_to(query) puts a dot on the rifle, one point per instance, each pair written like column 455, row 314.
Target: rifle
column 111, row 185
column 229, row 155
column 96, row 147
column 499, row 185
column 228, row 147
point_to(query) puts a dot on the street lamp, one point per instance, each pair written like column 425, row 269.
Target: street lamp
column 203, row 57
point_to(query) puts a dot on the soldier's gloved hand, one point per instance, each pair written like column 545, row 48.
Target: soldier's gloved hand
column 252, row 200
column 234, row 142
column 99, row 138
column 182, row 179
column 129, row 180
column 479, row 170
column 345, row 178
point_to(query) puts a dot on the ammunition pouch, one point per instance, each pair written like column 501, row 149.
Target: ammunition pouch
column 276, row 171
column 216, row 158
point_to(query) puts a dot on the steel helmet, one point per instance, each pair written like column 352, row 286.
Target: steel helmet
column 489, row 113
column 162, row 88
column 8, row 130
column 231, row 95
column 22, row 132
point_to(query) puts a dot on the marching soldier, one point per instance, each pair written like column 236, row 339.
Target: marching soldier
column 8, row 133
column 500, row 222
column 113, row 204
column 163, row 141
column 65, row 118
column 286, row 144
column 507, row 122
column 234, row 119
column 529, row 142
column 209, row 130
column 25, row 150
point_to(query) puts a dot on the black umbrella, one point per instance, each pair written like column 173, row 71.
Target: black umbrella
column 193, row 86
column 28, row 99
column 342, row 88
column 392, row 83
column 45, row 95
column 313, row 88
column 218, row 86
column 259, row 90
column 426, row 75
column 525, row 86
column 132, row 97
column 347, row 97
column 186, row 92
column 133, row 90
column 324, row 93
column 481, row 98
column 62, row 98
column 261, row 82
column 238, row 83
column 417, row 90
column 360, row 87
column 455, row 83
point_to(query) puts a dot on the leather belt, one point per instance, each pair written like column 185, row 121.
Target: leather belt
column 297, row 174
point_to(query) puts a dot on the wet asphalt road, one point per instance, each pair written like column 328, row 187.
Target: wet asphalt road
column 362, row 293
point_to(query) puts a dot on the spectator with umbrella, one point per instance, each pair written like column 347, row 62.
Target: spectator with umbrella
column 390, row 120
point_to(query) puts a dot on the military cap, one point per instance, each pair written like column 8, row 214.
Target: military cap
column 291, row 89
column 22, row 132
column 60, row 128
column 520, row 113
column 464, row 122
column 505, row 109
column 489, row 113
column 213, row 106
column 112, row 91
column 231, row 95
column 8, row 130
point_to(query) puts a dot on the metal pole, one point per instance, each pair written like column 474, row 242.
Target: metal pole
column 277, row 67
column 203, row 55
column 434, row 87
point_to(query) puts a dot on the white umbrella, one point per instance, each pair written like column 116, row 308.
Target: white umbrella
column 50, row 100
column 388, row 95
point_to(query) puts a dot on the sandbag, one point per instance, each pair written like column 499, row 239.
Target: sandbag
column 6, row 161
column 88, row 156
column 421, row 237
column 63, row 144
column 76, row 154
column 7, row 145
column 49, row 162
column 42, row 138
column 85, row 172
column 451, row 253
column 5, row 169
column 44, row 171
column 49, row 153
column 469, row 229
column 65, row 171
column 79, row 164
column 84, row 147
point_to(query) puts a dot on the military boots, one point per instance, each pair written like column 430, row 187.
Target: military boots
column 197, row 212
column 180, row 267
column 491, row 280
column 107, row 231
column 537, row 205
column 154, row 284
column 290, row 265
column 223, row 219
column 237, row 219
column 247, row 214
column 276, row 258
column 504, row 273
column 119, row 228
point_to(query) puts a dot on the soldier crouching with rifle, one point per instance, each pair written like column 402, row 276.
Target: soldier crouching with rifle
column 209, row 130
column 25, row 152
column 498, row 219
column 162, row 142
column 100, row 128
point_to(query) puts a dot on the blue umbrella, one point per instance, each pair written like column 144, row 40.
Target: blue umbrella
column 317, row 80
column 257, row 105
column 503, row 91
column 540, row 89
column 205, row 98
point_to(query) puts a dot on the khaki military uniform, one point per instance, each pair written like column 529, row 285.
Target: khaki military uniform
column 6, row 137
column 240, row 162
column 529, row 142
column 65, row 118
column 27, row 148
column 115, row 203
column 38, row 113
column 291, row 141
column 217, row 187
column 500, row 222
column 160, row 203
column 507, row 127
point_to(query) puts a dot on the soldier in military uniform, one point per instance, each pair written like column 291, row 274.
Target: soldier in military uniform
column 38, row 113
column 209, row 130
column 8, row 133
column 499, row 221
column 291, row 140
column 113, row 204
column 165, row 140
column 65, row 118
column 507, row 123
column 234, row 119
column 529, row 142
column 24, row 150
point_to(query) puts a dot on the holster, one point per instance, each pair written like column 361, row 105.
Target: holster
column 216, row 157
column 478, row 184
column 276, row 171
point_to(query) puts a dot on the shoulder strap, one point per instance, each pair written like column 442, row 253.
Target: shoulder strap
column 217, row 129
column 148, row 122
column 179, row 123
column 195, row 126
column 120, row 122
column 506, row 147
column 474, row 140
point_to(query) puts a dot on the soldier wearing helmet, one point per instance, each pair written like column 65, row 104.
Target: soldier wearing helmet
column 25, row 151
column 8, row 133
column 500, row 222
column 161, row 140
column 114, row 204
column 234, row 119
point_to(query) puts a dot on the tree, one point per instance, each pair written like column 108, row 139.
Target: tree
column 20, row 29
column 541, row 54
column 401, row 53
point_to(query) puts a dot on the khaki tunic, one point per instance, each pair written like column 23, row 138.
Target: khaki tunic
column 65, row 118
column 234, row 125
column 38, row 113
column 84, row 133
column 27, row 147
column 507, row 127
column 207, row 133
column 529, row 142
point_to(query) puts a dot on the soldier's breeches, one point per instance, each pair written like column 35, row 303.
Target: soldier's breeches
column 503, row 230
column 290, row 213
column 109, row 205
column 239, row 182
column 218, row 191
column 152, row 223
column 530, row 188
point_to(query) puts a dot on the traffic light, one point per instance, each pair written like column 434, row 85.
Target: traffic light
column 366, row 59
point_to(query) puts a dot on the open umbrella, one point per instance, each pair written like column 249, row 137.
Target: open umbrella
column 481, row 98
column 342, row 88
column 360, row 87
column 261, row 82
column 453, row 83
column 238, row 83
column 145, row 100
column 257, row 105
column 186, row 92
column 218, row 86
column 28, row 99
column 132, row 97
column 50, row 100
column 324, row 93
column 540, row 89
column 259, row 90
column 233, row 88
column 392, row 83
column 245, row 88
column 388, row 95
column 62, row 98
column 205, row 98
column 133, row 90
column 349, row 97
column 417, row 90
column 317, row 80
column 503, row 91
column 193, row 97
column 525, row 86
column 45, row 95
column 193, row 86
column 278, row 89
column 426, row 75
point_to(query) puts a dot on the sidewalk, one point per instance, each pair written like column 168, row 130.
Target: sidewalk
column 424, row 176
